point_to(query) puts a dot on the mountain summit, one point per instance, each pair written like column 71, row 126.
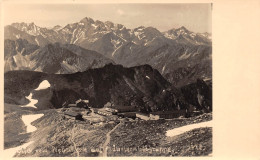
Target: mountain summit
column 168, row 52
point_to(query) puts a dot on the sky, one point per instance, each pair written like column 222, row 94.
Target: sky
column 195, row 17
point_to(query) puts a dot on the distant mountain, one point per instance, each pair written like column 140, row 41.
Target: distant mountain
column 57, row 28
column 87, row 31
column 13, row 33
column 183, row 35
column 38, row 35
column 169, row 52
column 52, row 58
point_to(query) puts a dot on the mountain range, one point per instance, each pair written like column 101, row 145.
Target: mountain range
column 52, row 58
column 140, row 86
column 179, row 55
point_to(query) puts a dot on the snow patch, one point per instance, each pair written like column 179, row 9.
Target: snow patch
column 170, row 36
column 120, row 36
column 122, row 28
column 184, row 56
column 134, row 42
column 206, row 79
column 22, row 50
column 137, row 34
column 140, row 29
column 18, row 36
column 193, row 35
column 163, row 68
column 93, row 40
column 69, row 68
column 131, row 49
column 28, row 119
column 93, row 25
column 195, row 54
column 43, row 35
column 181, row 130
column 73, row 35
column 76, row 40
column 36, row 40
column 115, row 42
column 116, row 50
column 43, row 85
column 9, row 153
column 32, row 102
column 14, row 59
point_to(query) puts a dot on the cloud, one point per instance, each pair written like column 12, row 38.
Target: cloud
column 120, row 12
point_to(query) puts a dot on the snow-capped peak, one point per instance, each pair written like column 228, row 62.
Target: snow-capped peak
column 29, row 28
column 182, row 30
column 183, row 35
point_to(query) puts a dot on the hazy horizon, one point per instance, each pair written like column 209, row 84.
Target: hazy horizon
column 195, row 17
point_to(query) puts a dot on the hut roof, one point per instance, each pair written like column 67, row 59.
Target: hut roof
column 72, row 105
column 86, row 101
column 167, row 112
column 80, row 100
column 73, row 114
column 143, row 114
column 123, row 108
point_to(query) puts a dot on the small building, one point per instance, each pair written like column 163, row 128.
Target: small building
column 127, row 115
column 79, row 103
column 75, row 115
column 112, row 110
column 82, row 103
column 154, row 116
column 103, row 112
column 80, row 100
column 71, row 105
column 167, row 114
column 143, row 116
column 121, row 109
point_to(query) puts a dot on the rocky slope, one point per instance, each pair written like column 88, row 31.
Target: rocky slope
column 199, row 94
column 141, row 86
column 58, row 136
